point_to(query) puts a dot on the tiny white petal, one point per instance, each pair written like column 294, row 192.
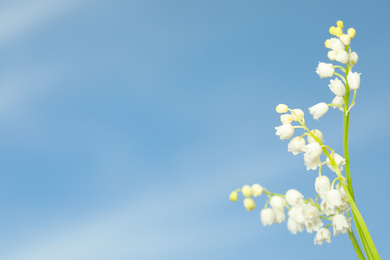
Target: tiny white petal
column 325, row 70
column 319, row 110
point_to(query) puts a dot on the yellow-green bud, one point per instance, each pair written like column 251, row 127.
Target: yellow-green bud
column 338, row 31
column 246, row 191
column 281, row 108
column 331, row 30
column 351, row 32
column 327, row 44
column 340, row 24
column 249, row 204
column 233, row 196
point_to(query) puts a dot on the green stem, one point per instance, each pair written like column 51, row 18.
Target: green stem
column 356, row 245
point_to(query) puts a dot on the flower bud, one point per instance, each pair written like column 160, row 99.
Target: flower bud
column 286, row 118
column 281, row 108
column 277, row 202
column 337, row 87
column 246, row 191
column 327, row 44
column 332, row 55
column 267, row 216
column 353, row 79
column 353, row 58
column 257, row 190
column 332, row 30
column 340, row 24
column 336, row 44
column 338, row 31
column 351, row 33
column 345, row 39
column 319, row 110
column 318, row 134
column 325, row 70
column 297, row 114
column 294, row 197
column 249, row 204
column 285, row 131
column 296, row 144
column 233, row 196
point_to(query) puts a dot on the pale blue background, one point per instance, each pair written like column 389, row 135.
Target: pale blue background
column 126, row 124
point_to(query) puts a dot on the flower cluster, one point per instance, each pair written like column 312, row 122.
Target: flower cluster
column 331, row 203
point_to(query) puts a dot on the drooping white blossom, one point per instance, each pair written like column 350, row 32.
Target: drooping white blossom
column 334, row 44
column 312, row 150
column 337, row 87
column 322, row 185
column 246, row 190
column 312, row 218
column 325, row 70
column 311, row 163
column 323, row 234
column 345, row 39
column 317, row 133
column 296, row 144
column 340, row 162
column 257, row 190
column 340, row 224
column 277, row 202
column 353, row 79
column 280, row 216
column 338, row 101
column 319, row 110
column 325, row 209
column 333, row 199
column 294, row 197
column 353, row 58
column 267, row 216
column 285, row 131
column 342, row 56
column 332, row 55
column 294, row 227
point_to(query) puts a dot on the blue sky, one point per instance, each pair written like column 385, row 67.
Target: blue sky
column 126, row 124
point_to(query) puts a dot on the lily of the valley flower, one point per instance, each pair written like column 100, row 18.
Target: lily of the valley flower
column 246, row 190
column 353, row 79
column 353, row 58
column 281, row 108
column 312, row 150
column 317, row 133
column 319, row 110
column 249, row 204
column 334, row 44
column 325, row 70
column 337, row 87
column 296, row 144
column 340, row 162
column 312, row 218
column 294, row 227
column 340, row 224
column 233, row 196
column 280, row 216
column 345, row 39
column 338, row 101
column 285, row 131
column 294, row 197
column 341, row 56
column 333, row 199
column 322, row 185
column 323, row 234
column 257, row 190
column 286, row 118
column 277, row 202
column 297, row 114
column 267, row 216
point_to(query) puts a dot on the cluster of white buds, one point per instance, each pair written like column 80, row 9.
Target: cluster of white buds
column 309, row 214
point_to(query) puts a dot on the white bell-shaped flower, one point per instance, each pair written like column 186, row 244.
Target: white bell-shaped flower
column 318, row 134
column 285, row 131
column 296, row 144
column 337, row 87
column 257, row 190
column 342, row 56
column 277, row 202
column 322, row 184
column 294, row 197
column 294, row 227
column 246, row 190
column 333, row 199
column 311, row 163
column 324, row 208
column 249, row 204
column 332, row 55
column 340, row 224
column 312, row 218
column 267, row 216
column 312, row 150
column 353, row 79
column 280, row 216
column 325, row 70
column 281, row 108
column 319, row 110
column 353, row 58
column 296, row 214
column 340, row 161
column 334, row 44
column 323, row 234
column 338, row 101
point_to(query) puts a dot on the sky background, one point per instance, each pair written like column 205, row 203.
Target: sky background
column 126, row 124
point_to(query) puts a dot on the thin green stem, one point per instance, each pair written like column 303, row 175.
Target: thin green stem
column 356, row 245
